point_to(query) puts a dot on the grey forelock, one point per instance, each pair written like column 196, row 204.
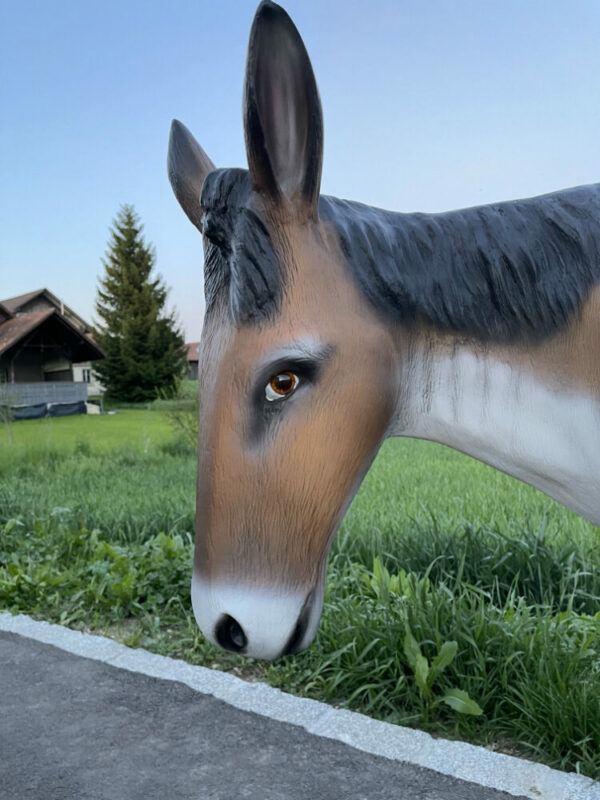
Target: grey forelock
column 239, row 258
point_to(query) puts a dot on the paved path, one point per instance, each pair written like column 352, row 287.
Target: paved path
column 76, row 729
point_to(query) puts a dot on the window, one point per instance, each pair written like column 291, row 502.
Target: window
column 87, row 375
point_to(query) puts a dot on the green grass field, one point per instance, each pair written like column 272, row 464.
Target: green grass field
column 439, row 556
column 124, row 473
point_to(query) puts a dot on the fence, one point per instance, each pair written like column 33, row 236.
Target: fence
column 35, row 400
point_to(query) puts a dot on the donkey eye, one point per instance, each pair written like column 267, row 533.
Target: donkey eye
column 281, row 385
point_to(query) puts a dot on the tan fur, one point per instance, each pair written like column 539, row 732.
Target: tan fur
column 269, row 512
column 571, row 359
column 568, row 360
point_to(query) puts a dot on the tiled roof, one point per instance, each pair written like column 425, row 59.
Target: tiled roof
column 192, row 350
column 14, row 303
column 16, row 328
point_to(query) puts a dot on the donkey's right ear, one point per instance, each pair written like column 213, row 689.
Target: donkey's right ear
column 283, row 121
column 187, row 165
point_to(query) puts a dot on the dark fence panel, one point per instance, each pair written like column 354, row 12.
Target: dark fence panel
column 41, row 410
column 65, row 409
column 36, row 411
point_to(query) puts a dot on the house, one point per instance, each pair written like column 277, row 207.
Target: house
column 44, row 342
column 192, row 359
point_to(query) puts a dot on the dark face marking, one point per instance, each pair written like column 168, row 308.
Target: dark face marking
column 264, row 415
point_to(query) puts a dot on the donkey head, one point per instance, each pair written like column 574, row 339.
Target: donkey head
column 295, row 371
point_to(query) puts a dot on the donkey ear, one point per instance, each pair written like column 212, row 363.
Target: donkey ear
column 283, row 120
column 187, row 165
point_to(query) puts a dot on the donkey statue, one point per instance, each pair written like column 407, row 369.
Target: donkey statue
column 331, row 325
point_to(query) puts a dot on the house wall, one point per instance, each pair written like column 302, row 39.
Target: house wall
column 84, row 373
column 41, row 303
column 30, row 365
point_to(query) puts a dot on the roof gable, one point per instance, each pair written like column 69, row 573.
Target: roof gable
column 4, row 313
column 19, row 305
column 14, row 304
column 14, row 330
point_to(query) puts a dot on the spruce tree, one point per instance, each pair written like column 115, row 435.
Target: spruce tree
column 145, row 352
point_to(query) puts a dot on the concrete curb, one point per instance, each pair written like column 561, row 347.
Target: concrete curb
column 467, row 762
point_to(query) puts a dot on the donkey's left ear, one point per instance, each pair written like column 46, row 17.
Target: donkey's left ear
column 283, row 120
column 187, row 166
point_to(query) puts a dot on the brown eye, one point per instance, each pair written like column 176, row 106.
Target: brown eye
column 281, row 385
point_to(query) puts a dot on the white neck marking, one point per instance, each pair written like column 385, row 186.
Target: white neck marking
column 503, row 415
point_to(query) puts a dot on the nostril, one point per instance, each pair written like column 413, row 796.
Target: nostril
column 229, row 634
column 294, row 643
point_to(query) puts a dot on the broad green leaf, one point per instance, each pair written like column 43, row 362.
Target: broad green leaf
column 443, row 659
column 411, row 649
column 421, row 673
column 460, row 701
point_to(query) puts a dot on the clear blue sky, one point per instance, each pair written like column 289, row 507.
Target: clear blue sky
column 428, row 106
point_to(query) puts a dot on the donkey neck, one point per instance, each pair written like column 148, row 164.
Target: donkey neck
column 480, row 282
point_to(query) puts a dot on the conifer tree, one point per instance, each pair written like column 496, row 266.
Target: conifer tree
column 145, row 352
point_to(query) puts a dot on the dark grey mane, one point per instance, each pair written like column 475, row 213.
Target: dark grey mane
column 499, row 272
column 238, row 255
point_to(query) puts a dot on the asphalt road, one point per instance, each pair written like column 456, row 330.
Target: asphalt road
column 76, row 729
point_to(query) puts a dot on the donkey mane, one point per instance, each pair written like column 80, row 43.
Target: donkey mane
column 500, row 272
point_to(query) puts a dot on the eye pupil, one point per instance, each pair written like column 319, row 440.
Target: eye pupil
column 283, row 383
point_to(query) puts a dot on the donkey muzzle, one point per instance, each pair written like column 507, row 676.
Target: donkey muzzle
column 256, row 622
